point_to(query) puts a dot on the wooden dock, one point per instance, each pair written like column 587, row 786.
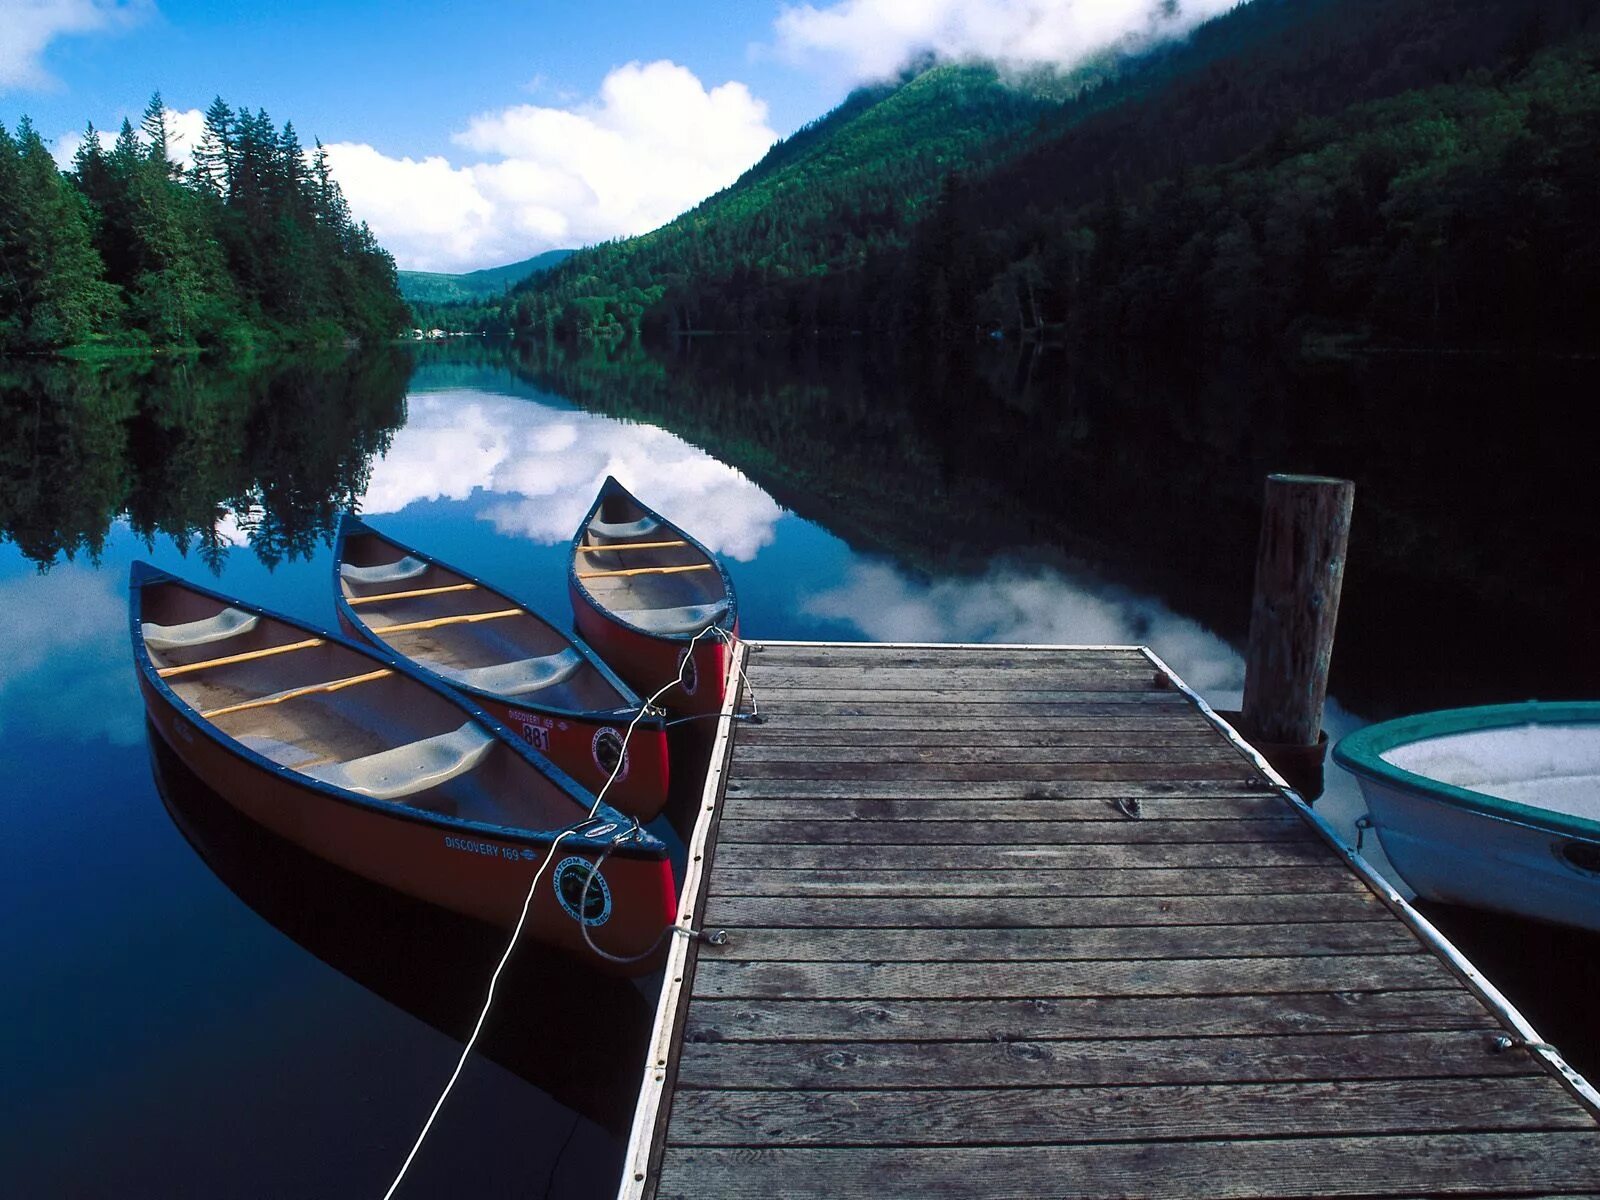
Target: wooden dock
column 1028, row 922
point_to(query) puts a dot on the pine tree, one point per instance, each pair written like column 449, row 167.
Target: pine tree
column 51, row 293
column 153, row 124
column 213, row 157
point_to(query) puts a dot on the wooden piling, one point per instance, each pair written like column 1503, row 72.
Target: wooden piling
column 1305, row 529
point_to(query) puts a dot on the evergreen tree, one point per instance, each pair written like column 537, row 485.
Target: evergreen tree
column 213, row 157
column 51, row 293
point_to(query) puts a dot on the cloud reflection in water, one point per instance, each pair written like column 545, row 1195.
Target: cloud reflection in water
column 1012, row 603
column 546, row 464
column 64, row 656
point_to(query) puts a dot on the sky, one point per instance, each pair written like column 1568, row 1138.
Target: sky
column 474, row 134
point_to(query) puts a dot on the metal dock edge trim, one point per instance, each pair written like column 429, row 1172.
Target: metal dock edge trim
column 1436, row 941
column 647, row 1114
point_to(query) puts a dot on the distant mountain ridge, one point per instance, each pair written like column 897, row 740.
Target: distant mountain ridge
column 432, row 287
column 1294, row 169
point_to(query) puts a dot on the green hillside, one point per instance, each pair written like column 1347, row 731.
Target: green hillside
column 431, row 287
column 950, row 205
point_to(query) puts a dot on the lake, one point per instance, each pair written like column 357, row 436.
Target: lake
column 194, row 1009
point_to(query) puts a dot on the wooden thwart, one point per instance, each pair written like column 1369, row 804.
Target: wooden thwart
column 247, row 656
column 630, row 546
column 353, row 601
column 295, row 693
column 646, row 571
column 436, row 622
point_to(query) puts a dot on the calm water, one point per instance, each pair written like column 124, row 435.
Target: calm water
column 193, row 1009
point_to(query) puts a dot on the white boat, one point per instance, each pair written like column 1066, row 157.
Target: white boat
column 1496, row 807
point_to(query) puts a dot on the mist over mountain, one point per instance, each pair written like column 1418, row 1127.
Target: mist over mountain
column 1292, row 168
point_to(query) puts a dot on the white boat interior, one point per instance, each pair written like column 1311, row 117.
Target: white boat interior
column 1549, row 766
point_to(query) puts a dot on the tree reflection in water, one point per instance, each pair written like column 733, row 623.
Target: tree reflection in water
column 196, row 452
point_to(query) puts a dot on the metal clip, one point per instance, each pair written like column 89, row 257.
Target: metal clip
column 716, row 937
column 1363, row 823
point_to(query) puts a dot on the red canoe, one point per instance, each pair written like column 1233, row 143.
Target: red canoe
column 648, row 597
column 544, row 684
column 360, row 759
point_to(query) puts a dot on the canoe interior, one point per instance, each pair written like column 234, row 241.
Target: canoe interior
column 323, row 728
column 1550, row 766
column 647, row 591
column 469, row 645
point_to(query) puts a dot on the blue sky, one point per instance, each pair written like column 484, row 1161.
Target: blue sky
column 402, row 75
column 474, row 133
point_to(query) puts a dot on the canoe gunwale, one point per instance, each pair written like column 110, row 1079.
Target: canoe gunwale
column 643, row 845
column 631, row 707
column 727, row 622
column 1361, row 753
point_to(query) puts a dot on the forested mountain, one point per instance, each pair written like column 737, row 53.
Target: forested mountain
column 432, row 287
column 254, row 242
column 1400, row 171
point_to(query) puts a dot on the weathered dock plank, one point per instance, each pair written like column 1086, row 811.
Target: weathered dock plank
column 1476, row 1164
column 1045, row 1116
column 1030, row 922
column 1086, row 1017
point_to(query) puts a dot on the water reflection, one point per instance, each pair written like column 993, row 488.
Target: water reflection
column 1015, row 603
column 1463, row 577
column 61, row 650
column 197, row 454
column 543, row 465
column 575, row 1034
column 1007, row 496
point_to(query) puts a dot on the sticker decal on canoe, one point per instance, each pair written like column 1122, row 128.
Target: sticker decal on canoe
column 608, row 751
column 688, row 671
column 572, row 874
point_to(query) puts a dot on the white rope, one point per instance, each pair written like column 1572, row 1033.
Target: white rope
column 482, row 1016
column 527, row 901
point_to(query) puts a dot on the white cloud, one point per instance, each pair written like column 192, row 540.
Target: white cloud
column 31, row 25
column 654, row 142
column 544, row 465
column 869, row 39
column 185, row 128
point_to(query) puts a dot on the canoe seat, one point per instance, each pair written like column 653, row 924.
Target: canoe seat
column 405, row 568
column 516, row 678
column 414, row 767
column 625, row 529
column 230, row 622
column 687, row 618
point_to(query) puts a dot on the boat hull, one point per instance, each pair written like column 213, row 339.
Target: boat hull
column 646, row 663
column 1494, row 807
column 478, row 875
column 1457, row 856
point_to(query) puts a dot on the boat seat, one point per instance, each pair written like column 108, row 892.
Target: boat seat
column 405, row 568
column 686, row 618
column 414, row 767
column 624, row 530
column 228, row 623
column 516, row 678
